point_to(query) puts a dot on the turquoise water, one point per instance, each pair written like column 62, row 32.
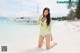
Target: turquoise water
column 12, row 24
column 11, row 31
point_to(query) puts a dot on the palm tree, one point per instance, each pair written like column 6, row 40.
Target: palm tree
column 78, row 10
column 69, row 4
column 71, row 15
column 71, row 7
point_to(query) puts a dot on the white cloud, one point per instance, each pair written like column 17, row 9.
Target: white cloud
column 29, row 7
column 58, row 9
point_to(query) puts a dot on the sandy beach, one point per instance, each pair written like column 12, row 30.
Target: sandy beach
column 22, row 38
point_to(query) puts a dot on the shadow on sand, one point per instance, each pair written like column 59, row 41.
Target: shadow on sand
column 35, row 50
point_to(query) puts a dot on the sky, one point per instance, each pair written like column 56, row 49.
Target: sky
column 28, row 8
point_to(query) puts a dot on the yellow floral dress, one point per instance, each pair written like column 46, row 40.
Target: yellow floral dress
column 44, row 29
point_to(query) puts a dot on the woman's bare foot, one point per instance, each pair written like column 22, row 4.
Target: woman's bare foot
column 52, row 45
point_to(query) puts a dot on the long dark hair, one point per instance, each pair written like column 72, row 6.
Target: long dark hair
column 48, row 16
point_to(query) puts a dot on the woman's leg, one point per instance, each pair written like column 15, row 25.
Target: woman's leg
column 41, row 39
column 48, row 39
column 51, row 38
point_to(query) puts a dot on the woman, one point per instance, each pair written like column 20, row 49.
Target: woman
column 45, row 29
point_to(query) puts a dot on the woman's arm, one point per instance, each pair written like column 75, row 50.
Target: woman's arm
column 41, row 17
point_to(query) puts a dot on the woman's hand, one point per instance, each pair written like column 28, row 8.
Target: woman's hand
column 41, row 16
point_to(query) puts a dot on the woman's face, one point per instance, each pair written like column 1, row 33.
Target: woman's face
column 45, row 12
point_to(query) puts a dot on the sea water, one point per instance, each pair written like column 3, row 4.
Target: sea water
column 11, row 31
